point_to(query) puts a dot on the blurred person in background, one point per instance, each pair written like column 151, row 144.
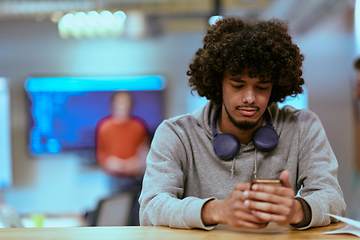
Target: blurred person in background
column 122, row 144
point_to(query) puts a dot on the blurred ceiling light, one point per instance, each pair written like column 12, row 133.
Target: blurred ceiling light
column 80, row 19
column 92, row 24
column 67, row 21
column 214, row 19
column 93, row 18
column 107, row 19
column 120, row 17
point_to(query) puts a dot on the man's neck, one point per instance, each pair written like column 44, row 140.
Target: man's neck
column 119, row 120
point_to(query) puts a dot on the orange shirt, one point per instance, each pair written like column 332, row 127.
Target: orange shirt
column 119, row 139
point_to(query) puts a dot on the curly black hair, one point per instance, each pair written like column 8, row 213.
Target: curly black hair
column 263, row 47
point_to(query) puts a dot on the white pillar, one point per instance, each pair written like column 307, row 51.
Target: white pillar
column 357, row 27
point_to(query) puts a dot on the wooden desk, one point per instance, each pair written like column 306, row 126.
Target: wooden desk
column 161, row 233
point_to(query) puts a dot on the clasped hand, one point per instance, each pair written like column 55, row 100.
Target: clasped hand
column 117, row 165
column 256, row 207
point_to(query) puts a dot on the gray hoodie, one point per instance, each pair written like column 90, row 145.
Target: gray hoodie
column 183, row 171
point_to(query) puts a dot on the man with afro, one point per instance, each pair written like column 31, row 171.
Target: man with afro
column 202, row 165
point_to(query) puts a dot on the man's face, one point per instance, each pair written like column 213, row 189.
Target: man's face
column 121, row 106
column 245, row 99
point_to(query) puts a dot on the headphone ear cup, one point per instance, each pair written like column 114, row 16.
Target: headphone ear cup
column 265, row 138
column 226, row 146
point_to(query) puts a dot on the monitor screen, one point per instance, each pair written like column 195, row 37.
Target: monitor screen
column 64, row 111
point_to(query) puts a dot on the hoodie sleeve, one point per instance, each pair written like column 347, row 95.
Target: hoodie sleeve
column 318, row 173
column 161, row 201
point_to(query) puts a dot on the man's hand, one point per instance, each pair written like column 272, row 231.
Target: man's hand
column 272, row 203
column 114, row 164
column 232, row 210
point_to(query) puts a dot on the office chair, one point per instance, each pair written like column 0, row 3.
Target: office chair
column 121, row 209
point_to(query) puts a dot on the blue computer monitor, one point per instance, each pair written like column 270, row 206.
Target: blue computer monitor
column 64, row 111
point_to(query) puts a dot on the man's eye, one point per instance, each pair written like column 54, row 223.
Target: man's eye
column 238, row 86
column 262, row 88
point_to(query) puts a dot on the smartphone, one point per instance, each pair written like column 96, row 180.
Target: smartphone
column 266, row 181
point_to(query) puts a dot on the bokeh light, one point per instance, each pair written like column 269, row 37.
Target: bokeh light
column 92, row 24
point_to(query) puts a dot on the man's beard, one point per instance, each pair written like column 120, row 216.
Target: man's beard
column 242, row 125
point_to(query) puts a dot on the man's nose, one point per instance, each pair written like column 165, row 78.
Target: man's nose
column 249, row 96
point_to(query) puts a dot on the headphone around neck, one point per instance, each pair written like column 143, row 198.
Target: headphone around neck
column 227, row 146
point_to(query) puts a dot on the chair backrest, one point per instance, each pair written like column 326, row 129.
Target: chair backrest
column 115, row 210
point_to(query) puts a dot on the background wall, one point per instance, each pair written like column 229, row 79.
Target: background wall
column 62, row 184
column 328, row 74
column 29, row 48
